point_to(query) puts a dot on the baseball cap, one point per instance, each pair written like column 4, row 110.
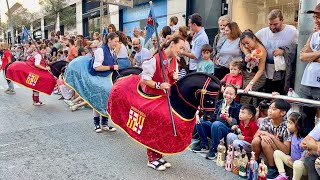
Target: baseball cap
column 316, row 10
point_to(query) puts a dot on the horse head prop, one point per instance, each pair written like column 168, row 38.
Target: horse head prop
column 145, row 117
column 196, row 91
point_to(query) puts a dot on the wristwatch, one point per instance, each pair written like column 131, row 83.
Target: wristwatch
column 251, row 83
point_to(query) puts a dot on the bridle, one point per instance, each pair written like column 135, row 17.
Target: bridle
column 203, row 92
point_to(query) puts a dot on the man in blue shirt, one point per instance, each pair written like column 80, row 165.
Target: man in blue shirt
column 200, row 38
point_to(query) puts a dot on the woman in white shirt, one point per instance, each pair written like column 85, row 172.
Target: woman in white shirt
column 122, row 51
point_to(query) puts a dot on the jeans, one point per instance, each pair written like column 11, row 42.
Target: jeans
column 309, row 93
column 123, row 63
column 10, row 84
column 233, row 139
column 204, row 131
column 309, row 164
column 217, row 130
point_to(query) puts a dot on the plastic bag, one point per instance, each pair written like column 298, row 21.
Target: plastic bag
column 279, row 63
column 294, row 107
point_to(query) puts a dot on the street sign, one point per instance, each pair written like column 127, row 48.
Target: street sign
column 128, row 3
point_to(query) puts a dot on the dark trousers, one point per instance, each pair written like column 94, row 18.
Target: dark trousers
column 309, row 164
column 220, row 72
column 309, row 93
column 274, row 86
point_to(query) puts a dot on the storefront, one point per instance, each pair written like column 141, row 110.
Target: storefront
column 137, row 16
column 253, row 14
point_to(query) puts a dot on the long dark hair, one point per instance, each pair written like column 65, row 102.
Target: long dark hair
column 248, row 33
column 299, row 120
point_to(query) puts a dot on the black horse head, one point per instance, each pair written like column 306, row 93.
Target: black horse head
column 125, row 72
column 57, row 68
column 196, row 91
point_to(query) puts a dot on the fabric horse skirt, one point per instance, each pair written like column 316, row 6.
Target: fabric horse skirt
column 93, row 89
column 31, row 77
column 146, row 119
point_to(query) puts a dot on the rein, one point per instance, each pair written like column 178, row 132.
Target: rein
column 203, row 92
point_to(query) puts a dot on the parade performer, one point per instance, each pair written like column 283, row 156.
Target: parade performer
column 6, row 60
column 90, row 78
column 143, row 98
column 33, row 74
column 153, row 83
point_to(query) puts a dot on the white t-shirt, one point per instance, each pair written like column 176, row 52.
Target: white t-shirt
column 123, row 52
column 37, row 59
column 286, row 37
column 311, row 75
column 141, row 56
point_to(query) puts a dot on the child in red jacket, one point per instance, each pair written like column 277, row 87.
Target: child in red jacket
column 244, row 132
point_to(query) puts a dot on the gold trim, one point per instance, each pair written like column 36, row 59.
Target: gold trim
column 104, row 115
column 146, row 145
column 185, row 119
column 147, row 97
column 28, row 87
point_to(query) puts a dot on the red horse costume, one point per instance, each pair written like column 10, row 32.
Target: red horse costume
column 28, row 75
column 146, row 118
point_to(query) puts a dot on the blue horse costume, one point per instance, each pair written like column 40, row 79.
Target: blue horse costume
column 92, row 86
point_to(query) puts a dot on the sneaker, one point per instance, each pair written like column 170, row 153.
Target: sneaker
column 200, row 148
column 98, row 129
column 38, row 103
column 156, row 165
column 281, row 177
column 68, row 102
column 272, row 173
column 108, row 128
column 211, row 155
column 164, row 163
column 10, row 91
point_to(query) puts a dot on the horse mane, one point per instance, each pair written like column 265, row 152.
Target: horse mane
column 202, row 74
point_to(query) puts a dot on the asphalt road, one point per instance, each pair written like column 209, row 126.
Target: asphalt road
column 51, row 142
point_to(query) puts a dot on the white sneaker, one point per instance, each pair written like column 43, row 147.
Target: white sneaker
column 156, row 165
column 164, row 163
column 108, row 128
column 98, row 129
column 38, row 103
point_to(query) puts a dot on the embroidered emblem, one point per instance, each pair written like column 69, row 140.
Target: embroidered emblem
column 32, row 79
column 136, row 120
column 203, row 91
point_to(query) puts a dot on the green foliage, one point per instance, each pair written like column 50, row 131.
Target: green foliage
column 51, row 8
column 22, row 18
column 68, row 16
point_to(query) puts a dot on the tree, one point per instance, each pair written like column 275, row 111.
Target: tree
column 22, row 18
column 52, row 8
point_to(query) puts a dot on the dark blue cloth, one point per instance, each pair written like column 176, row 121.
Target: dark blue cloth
column 234, row 110
column 109, row 60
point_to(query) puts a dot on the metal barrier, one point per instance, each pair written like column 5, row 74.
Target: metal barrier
column 291, row 100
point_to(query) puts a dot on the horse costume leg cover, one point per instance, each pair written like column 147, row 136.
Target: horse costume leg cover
column 31, row 77
column 92, row 89
column 144, row 120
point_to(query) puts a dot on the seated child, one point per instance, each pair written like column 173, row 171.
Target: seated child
column 247, row 127
column 262, row 111
column 296, row 126
column 273, row 135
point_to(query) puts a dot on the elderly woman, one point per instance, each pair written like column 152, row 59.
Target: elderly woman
column 219, row 40
column 230, row 50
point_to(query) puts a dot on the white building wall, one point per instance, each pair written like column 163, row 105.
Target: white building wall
column 114, row 15
column 177, row 8
column 79, row 23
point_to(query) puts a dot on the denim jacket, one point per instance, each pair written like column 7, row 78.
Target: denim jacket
column 234, row 110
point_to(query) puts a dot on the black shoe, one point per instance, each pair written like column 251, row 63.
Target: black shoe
column 199, row 148
column 212, row 154
column 272, row 173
